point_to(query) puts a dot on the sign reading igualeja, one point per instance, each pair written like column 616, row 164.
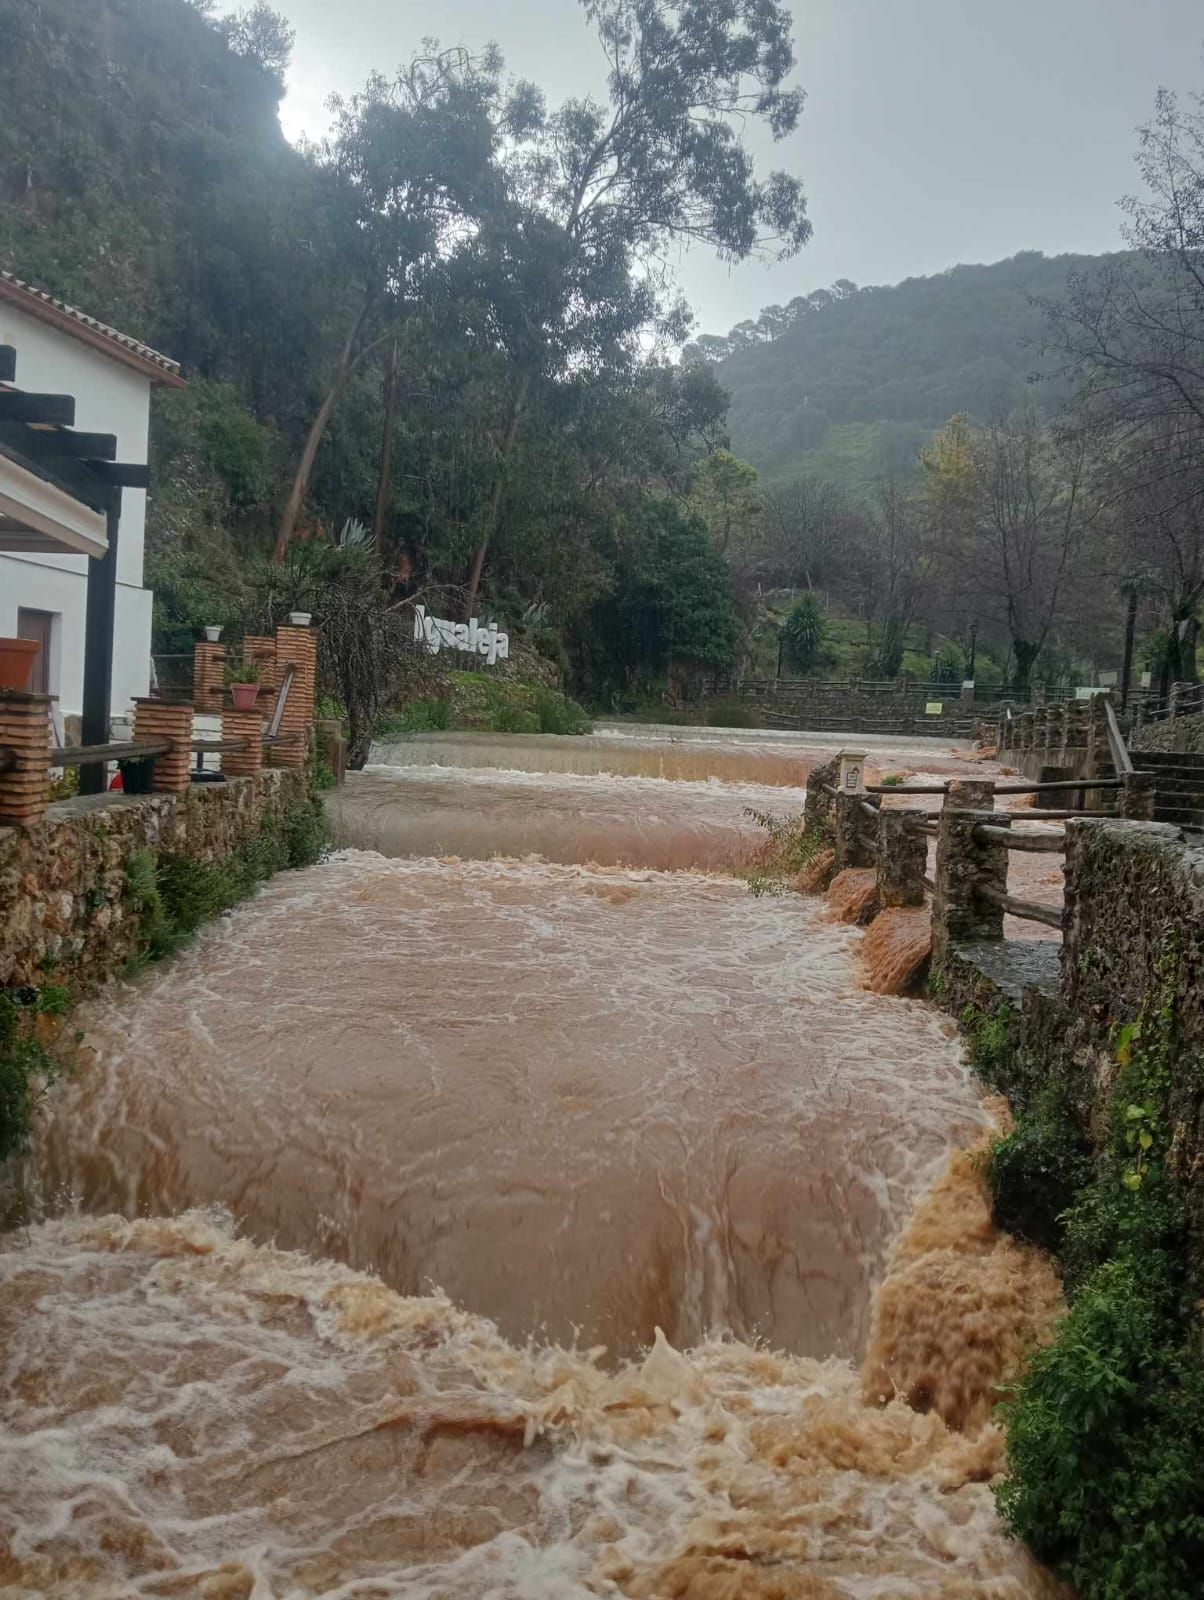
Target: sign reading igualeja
column 437, row 633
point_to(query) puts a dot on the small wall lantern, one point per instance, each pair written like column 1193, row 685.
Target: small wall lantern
column 850, row 778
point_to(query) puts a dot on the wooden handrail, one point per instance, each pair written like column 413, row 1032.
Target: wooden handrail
column 1121, row 759
column 84, row 755
column 1032, row 814
column 1029, row 910
column 1000, row 788
column 1015, row 840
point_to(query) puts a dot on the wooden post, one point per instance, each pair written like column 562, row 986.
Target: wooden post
column 25, row 729
column 100, row 615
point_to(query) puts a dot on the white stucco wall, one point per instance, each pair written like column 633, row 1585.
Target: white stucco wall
column 109, row 398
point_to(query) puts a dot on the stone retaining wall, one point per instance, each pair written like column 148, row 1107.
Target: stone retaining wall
column 65, row 909
column 1177, row 733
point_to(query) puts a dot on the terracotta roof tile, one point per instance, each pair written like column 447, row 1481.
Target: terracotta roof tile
column 98, row 334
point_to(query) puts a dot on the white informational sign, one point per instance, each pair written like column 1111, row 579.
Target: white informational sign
column 438, row 634
column 934, row 708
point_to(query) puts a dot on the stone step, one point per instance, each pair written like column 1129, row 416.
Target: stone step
column 1171, row 781
column 1181, row 816
column 1160, row 774
column 1150, row 760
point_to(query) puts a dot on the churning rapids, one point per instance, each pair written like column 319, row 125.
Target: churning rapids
column 539, row 1127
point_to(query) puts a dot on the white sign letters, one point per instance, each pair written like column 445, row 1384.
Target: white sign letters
column 437, row 634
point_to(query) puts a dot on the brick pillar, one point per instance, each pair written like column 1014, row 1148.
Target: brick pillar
column 166, row 719
column 1055, row 734
column 1041, row 727
column 962, row 863
column 246, row 725
column 261, row 649
column 208, row 677
column 24, row 729
column 300, row 647
column 902, row 860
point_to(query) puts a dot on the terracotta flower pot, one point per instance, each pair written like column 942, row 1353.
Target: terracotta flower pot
column 244, row 696
column 16, row 663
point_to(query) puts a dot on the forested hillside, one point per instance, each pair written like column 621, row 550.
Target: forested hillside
column 419, row 349
column 849, row 383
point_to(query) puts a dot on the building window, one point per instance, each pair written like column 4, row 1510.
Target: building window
column 38, row 625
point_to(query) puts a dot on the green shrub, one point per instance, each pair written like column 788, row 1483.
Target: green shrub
column 174, row 894
column 484, row 704
column 1105, row 1437
column 992, row 1043
column 1106, row 1425
column 1038, row 1171
column 558, row 714
column 26, row 1065
column 733, row 714
column 803, row 633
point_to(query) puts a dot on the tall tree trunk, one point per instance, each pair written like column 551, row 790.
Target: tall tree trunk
column 1025, row 654
column 384, row 482
column 348, row 359
column 495, row 493
column 1126, row 670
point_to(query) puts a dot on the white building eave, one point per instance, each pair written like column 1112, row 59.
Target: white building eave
column 38, row 516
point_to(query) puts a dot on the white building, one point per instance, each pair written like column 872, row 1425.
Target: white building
column 48, row 538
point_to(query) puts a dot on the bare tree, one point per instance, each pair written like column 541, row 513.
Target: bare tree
column 1026, row 549
column 894, row 565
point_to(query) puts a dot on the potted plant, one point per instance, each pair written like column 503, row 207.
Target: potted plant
column 299, row 619
column 213, row 633
column 16, row 663
column 243, row 679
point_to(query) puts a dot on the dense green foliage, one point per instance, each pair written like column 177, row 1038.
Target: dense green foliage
column 672, row 603
column 1106, row 1425
column 847, row 384
column 436, row 321
column 173, row 893
column 802, row 634
column 477, row 703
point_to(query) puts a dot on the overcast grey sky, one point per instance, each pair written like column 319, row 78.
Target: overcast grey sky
column 935, row 131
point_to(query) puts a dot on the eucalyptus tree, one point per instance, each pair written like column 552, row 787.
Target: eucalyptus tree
column 602, row 186
column 410, row 167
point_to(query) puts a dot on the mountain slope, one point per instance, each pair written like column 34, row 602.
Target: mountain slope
column 851, row 382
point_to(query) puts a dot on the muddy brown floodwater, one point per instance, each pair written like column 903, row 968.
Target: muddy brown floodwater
column 574, row 1100
column 651, row 1127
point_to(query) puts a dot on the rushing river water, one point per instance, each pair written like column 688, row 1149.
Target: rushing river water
column 600, row 1105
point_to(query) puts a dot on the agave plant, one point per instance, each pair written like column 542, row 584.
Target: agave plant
column 354, row 535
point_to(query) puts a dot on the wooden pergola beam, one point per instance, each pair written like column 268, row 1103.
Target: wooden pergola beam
column 18, row 405
column 83, row 446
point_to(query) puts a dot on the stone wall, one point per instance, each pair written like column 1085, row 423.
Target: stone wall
column 1134, row 938
column 64, row 904
column 856, row 706
column 1177, row 733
